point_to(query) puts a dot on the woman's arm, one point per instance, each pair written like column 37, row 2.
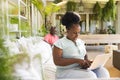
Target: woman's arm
column 60, row 61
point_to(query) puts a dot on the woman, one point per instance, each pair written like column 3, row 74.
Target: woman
column 51, row 37
column 69, row 53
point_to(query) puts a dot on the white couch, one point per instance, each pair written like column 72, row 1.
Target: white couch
column 40, row 65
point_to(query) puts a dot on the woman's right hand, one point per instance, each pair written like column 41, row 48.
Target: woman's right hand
column 85, row 63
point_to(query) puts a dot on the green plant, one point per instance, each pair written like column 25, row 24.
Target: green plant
column 5, row 68
column 39, row 5
column 111, row 30
column 14, row 20
column 51, row 8
column 57, row 1
column 71, row 6
column 43, row 31
column 25, row 27
column 98, row 11
column 8, row 61
column 45, row 10
column 109, row 11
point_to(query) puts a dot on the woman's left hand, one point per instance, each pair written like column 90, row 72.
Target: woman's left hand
column 86, row 64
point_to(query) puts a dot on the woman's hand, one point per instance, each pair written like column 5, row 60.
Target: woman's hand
column 85, row 64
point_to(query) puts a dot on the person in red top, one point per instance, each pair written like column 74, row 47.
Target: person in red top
column 51, row 37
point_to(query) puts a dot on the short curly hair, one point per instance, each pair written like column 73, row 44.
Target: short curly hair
column 70, row 18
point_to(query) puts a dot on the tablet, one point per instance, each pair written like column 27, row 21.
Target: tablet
column 99, row 60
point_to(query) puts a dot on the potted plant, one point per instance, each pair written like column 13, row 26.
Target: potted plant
column 107, row 13
column 57, row 1
column 97, row 10
column 45, row 10
column 14, row 24
column 111, row 30
column 25, row 27
column 71, row 6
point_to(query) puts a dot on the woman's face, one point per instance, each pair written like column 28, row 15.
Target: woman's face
column 73, row 32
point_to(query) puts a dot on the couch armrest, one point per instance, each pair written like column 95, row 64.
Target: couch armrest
column 116, row 59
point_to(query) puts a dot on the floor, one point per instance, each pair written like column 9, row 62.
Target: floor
column 92, row 51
